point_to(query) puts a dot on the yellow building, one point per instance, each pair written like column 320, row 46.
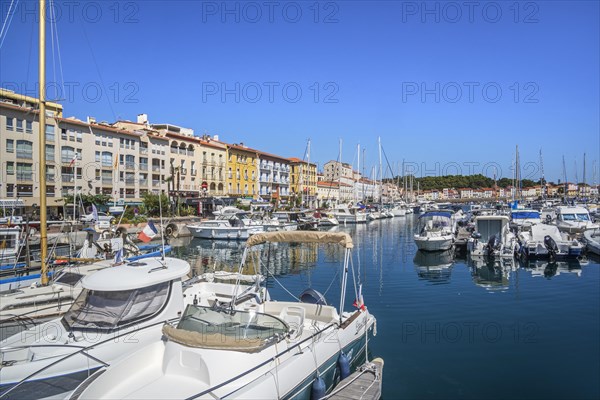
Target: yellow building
column 303, row 181
column 242, row 171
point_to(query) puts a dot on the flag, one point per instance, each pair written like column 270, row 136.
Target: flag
column 116, row 163
column 94, row 212
column 73, row 160
column 119, row 256
column 148, row 232
column 359, row 303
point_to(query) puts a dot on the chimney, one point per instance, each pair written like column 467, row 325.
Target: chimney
column 91, row 120
column 142, row 119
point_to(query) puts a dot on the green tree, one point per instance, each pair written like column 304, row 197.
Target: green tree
column 153, row 203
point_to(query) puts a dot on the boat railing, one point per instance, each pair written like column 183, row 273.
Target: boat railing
column 82, row 350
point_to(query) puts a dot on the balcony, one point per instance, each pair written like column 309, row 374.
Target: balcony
column 130, row 181
column 143, row 167
column 67, row 177
column 155, row 182
column 106, row 181
column 130, row 166
column 143, row 182
column 25, row 154
column 24, row 176
column 193, row 172
column 143, row 150
column 50, row 177
column 184, row 171
column 156, row 168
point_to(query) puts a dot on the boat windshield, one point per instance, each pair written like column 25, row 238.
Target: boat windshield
column 432, row 223
column 568, row 217
column 107, row 310
column 223, row 329
column 8, row 241
column 488, row 228
column 525, row 215
column 583, row 217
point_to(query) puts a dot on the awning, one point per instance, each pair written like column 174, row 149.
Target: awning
column 10, row 203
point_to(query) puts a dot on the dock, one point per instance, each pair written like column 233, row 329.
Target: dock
column 364, row 383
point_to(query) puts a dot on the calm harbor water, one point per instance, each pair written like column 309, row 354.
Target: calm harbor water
column 447, row 328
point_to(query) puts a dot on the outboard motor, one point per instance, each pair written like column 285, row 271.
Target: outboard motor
column 551, row 246
column 493, row 244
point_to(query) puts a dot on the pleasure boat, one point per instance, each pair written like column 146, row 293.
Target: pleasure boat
column 226, row 226
column 435, row 231
column 349, row 215
column 281, row 221
column 492, row 237
column 592, row 240
column 119, row 310
column 524, row 219
column 574, row 219
column 326, row 219
column 10, row 245
column 398, row 210
column 279, row 349
column 546, row 241
column 33, row 304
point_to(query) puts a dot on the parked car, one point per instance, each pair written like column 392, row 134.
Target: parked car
column 102, row 217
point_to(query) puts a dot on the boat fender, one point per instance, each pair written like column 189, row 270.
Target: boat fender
column 195, row 299
column 344, row 365
column 318, row 389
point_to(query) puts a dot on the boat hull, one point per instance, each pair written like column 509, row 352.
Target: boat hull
column 434, row 243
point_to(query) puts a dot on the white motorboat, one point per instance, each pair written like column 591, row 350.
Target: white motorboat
column 574, row 219
column 435, row 231
column 492, row 237
column 544, row 240
column 524, row 219
column 280, row 349
column 280, row 221
column 592, row 240
column 31, row 305
column 119, row 310
column 226, row 226
column 349, row 215
column 10, row 245
column 326, row 219
column 399, row 210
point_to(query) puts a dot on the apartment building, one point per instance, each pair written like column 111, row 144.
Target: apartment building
column 303, row 181
column 242, row 171
column 273, row 177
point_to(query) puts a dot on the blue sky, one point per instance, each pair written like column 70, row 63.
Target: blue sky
column 448, row 88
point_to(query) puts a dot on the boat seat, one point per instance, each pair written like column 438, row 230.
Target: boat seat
column 294, row 317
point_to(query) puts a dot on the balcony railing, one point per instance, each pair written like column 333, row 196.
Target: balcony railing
column 25, row 154
column 24, row 176
column 156, row 168
column 155, row 182
column 50, row 177
column 143, row 167
column 130, row 181
column 143, row 182
column 193, row 172
column 184, row 171
column 143, row 150
column 106, row 181
column 130, row 166
column 67, row 177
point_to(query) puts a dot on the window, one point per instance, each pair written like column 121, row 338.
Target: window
column 50, row 173
column 107, row 159
column 10, row 124
column 10, row 146
column 67, row 154
column 50, row 133
column 79, row 135
column 63, row 134
column 24, row 149
column 24, row 171
column 19, row 125
column 49, row 152
column 28, row 127
column 98, row 157
column 10, row 168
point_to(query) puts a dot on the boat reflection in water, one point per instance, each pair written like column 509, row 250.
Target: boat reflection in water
column 493, row 274
column 549, row 269
column 224, row 255
column 434, row 267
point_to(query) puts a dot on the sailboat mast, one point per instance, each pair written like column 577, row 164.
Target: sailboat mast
column 42, row 143
column 380, row 173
